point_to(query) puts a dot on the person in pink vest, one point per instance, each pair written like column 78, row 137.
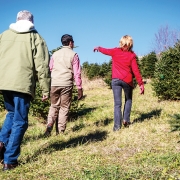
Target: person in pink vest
column 124, row 68
column 65, row 68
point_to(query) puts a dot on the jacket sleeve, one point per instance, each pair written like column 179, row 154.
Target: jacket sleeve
column 136, row 71
column 41, row 62
column 106, row 51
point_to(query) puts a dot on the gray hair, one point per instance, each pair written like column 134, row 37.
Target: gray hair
column 25, row 15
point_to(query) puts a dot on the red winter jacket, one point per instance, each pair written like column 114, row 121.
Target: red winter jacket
column 124, row 65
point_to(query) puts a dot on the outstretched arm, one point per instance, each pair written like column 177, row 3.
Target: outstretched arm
column 105, row 51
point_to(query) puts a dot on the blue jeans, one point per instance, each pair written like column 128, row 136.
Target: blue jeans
column 117, row 86
column 15, row 124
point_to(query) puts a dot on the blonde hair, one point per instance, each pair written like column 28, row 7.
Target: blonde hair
column 126, row 41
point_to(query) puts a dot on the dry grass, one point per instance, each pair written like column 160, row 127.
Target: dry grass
column 92, row 84
column 90, row 150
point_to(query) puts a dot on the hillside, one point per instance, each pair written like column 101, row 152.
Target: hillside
column 90, row 150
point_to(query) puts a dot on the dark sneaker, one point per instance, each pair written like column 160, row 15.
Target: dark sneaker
column 8, row 167
column 48, row 131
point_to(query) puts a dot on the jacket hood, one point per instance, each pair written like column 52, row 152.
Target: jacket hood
column 22, row 26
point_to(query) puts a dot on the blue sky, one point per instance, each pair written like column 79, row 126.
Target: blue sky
column 96, row 22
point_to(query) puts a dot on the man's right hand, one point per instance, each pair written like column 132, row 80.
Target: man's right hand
column 44, row 98
column 80, row 94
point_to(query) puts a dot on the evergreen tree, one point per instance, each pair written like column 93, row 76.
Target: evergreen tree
column 147, row 65
column 108, row 74
column 175, row 122
column 166, row 82
column 94, row 71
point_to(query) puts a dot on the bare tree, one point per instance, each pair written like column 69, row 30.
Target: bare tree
column 164, row 39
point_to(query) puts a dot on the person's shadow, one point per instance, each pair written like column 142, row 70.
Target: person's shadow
column 59, row 145
column 148, row 116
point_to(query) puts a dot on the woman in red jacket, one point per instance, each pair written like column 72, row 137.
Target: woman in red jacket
column 124, row 68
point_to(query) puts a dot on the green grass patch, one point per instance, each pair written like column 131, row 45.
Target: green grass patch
column 90, row 150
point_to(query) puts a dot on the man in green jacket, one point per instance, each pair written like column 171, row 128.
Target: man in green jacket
column 24, row 56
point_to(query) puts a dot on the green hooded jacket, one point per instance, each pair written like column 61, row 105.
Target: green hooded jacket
column 24, row 57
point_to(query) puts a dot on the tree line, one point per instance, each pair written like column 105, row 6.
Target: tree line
column 163, row 68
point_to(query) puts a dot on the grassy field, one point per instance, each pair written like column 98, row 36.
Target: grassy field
column 90, row 150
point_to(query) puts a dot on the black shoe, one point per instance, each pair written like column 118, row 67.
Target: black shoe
column 8, row 167
column 2, row 150
column 48, row 131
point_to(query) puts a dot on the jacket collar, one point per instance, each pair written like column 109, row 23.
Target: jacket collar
column 22, row 26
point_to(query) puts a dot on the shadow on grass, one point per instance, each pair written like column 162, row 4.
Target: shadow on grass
column 78, row 127
column 81, row 125
column 82, row 112
column 30, row 138
column 74, row 142
column 105, row 122
column 149, row 115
